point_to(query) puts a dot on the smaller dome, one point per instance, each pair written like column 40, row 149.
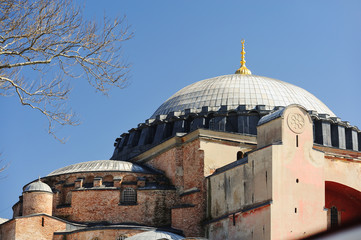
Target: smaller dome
column 38, row 186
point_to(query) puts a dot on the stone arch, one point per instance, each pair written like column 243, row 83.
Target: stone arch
column 108, row 181
column 344, row 199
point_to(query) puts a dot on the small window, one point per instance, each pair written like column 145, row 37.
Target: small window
column 129, row 196
column 239, row 155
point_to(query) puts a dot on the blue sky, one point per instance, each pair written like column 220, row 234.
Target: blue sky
column 313, row 44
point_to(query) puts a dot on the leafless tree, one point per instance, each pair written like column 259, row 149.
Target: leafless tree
column 44, row 44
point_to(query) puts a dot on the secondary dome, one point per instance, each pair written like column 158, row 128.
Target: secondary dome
column 240, row 89
column 38, row 186
column 101, row 166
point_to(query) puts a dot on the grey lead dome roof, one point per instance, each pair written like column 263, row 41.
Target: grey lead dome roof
column 100, row 166
column 240, row 89
column 38, row 186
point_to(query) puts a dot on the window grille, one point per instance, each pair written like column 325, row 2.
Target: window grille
column 334, row 217
column 129, row 195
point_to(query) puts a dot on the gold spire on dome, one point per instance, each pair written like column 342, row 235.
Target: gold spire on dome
column 243, row 69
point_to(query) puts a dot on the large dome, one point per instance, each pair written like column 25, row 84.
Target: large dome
column 241, row 89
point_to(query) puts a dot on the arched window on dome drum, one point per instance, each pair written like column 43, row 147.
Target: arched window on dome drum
column 211, row 124
column 240, row 155
column 129, row 196
column 108, row 181
column 88, row 182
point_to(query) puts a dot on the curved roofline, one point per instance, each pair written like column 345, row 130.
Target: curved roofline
column 237, row 89
column 102, row 166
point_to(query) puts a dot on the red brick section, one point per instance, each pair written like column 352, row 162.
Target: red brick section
column 184, row 166
column 171, row 163
column 31, row 228
column 7, row 230
column 152, row 208
column 37, row 202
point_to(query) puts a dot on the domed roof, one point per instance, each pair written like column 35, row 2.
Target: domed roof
column 38, row 186
column 155, row 235
column 101, row 166
column 240, row 89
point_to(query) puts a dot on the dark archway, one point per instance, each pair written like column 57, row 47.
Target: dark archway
column 343, row 200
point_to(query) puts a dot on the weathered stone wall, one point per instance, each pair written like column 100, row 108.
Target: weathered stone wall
column 243, row 185
column 253, row 224
column 184, row 166
column 298, row 182
column 37, row 202
column 220, row 152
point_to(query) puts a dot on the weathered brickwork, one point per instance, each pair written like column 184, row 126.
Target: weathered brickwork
column 31, row 228
column 37, row 202
column 184, row 166
column 251, row 224
column 152, row 207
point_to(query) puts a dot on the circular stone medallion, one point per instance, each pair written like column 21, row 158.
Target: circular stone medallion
column 296, row 122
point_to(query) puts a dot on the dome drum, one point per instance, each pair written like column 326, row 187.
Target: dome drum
column 329, row 131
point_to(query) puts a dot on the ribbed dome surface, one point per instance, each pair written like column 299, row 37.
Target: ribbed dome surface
column 38, row 186
column 238, row 89
column 99, row 166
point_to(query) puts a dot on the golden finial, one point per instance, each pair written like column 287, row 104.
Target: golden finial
column 243, row 69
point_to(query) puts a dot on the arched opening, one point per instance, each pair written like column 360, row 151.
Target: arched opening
column 108, row 181
column 232, row 122
column 88, row 182
column 240, row 155
column 209, row 123
column 343, row 203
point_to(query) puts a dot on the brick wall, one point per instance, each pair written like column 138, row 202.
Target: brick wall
column 37, row 202
column 152, row 208
column 184, row 166
column 31, row 228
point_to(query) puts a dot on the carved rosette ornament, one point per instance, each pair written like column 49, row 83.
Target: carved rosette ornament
column 296, row 122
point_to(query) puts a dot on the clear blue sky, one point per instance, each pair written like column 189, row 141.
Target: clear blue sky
column 313, row 44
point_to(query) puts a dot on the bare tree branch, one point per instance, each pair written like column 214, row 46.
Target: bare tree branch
column 44, row 44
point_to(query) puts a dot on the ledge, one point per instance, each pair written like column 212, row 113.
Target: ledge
column 186, row 205
column 63, row 206
column 127, row 204
column 189, row 191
